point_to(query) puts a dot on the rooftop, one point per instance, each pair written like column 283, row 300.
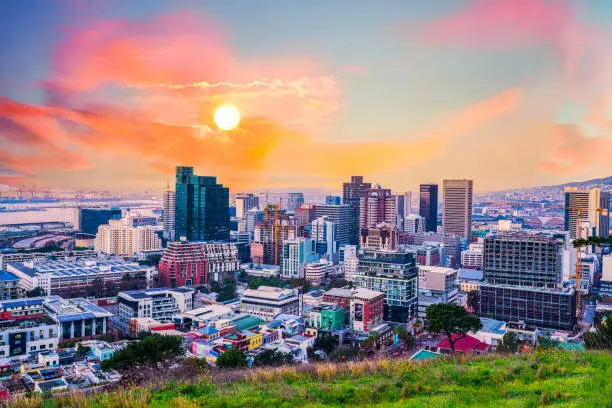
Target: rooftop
column 492, row 325
column 340, row 292
column 149, row 293
column 67, row 310
column 367, row 294
column 7, row 276
column 470, row 274
column 269, row 292
column 246, row 322
column 79, row 266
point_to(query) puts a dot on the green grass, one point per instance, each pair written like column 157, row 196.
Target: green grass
column 545, row 378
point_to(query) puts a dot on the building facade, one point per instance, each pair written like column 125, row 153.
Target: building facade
column 584, row 204
column 246, row 203
column 9, row 286
column 457, row 211
column 296, row 254
column 169, row 204
column 317, row 272
column 202, row 207
column 119, row 238
column 267, row 302
column 324, row 233
column 367, row 309
column 89, row 219
column 341, row 216
column 183, row 264
column 377, row 206
column 352, row 193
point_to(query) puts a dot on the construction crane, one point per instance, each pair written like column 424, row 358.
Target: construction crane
column 578, row 274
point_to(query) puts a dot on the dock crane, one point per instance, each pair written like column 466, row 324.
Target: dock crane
column 578, row 275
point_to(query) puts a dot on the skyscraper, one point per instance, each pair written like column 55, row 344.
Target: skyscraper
column 295, row 200
column 403, row 204
column 457, row 212
column 587, row 203
column 244, row 203
column 202, row 207
column 428, row 206
column 89, row 219
column 351, row 196
column 169, row 214
column 376, row 206
column 333, row 200
column 341, row 215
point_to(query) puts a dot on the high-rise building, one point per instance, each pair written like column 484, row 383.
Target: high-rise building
column 414, row 224
column 89, row 219
column 351, row 262
column 351, row 196
column 244, row 203
column 183, row 264
column 296, row 254
column 324, row 233
column 202, row 207
column 522, row 273
column 169, row 214
column 341, row 215
column 403, row 204
column 333, row 200
column 295, row 200
column 587, row 203
column 395, row 274
column 119, row 238
column 221, row 260
column 269, row 235
column 428, row 206
column 378, row 205
column 252, row 218
column 457, row 212
column 305, row 214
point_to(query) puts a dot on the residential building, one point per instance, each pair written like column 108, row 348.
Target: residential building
column 83, row 277
column 221, row 260
column 457, row 211
column 383, row 236
column 450, row 246
column 294, row 200
column 77, row 318
column 160, row 304
column 341, row 216
column 403, row 205
column 305, row 214
column 267, row 302
column 21, row 309
column 473, row 257
column 427, row 254
column 367, row 309
column 9, row 286
column 395, row 274
column 246, row 203
column 376, row 206
column 296, row 254
column 183, row 264
column 119, row 238
column 328, row 317
column 324, row 233
column 169, row 203
column 414, row 224
column 523, row 259
column 20, row 257
column 89, row 219
column 202, row 207
column 206, row 315
column 428, row 206
column 585, row 204
column 317, row 272
column 253, row 217
column 469, row 279
column 351, row 262
column 269, row 235
column 352, row 193
column 333, row 200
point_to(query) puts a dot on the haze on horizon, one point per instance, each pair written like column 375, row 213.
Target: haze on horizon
column 113, row 95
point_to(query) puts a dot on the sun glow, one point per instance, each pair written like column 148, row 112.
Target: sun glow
column 227, row 117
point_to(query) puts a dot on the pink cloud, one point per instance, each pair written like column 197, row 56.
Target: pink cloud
column 501, row 23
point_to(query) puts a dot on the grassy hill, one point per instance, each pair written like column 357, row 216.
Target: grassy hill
column 543, row 378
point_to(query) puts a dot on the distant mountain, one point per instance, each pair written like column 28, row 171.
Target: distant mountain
column 605, row 180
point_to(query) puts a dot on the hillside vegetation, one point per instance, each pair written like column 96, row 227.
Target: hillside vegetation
column 543, row 378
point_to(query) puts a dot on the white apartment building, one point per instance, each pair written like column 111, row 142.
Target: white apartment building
column 222, row 260
column 436, row 285
column 316, row 272
column 169, row 206
column 266, row 302
column 351, row 262
column 473, row 257
column 245, row 203
column 118, row 238
column 414, row 223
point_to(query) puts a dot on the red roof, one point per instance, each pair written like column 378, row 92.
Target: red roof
column 466, row 345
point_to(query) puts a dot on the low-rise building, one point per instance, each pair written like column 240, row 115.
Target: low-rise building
column 206, row 315
column 366, row 309
column 317, row 272
column 78, row 318
column 266, row 302
column 436, row 285
column 339, row 296
column 261, row 270
column 469, row 279
column 20, row 338
column 161, row 304
column 328, row 317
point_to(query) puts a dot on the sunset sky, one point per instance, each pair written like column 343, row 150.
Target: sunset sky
column 114, row 94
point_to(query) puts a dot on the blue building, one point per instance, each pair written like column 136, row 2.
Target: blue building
column 202, row 207
column 9, row 286
column 90, row 219
column 333, row 200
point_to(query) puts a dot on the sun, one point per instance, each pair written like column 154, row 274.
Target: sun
column 227, row 117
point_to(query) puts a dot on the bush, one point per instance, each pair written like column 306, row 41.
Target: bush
column 233, row 358
column 150, row 350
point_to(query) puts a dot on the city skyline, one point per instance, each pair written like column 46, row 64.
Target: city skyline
column 114, row 96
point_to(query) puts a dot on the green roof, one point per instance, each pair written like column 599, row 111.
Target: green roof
column 247, row 322
column 571, row 346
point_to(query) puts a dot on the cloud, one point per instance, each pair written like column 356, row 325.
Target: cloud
column 501, row 23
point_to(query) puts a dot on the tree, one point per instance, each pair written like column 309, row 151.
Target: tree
column 418, row 325
column 232, row 358
column 151, row 350
column 36, row 292
column 82, row 350
column 601, row 337
column 228, row 291
column 325, row 341
column 546, row 341
column 272, row 358
column 450, row 319
column 472, row 298
column 404, row 336
column 338, row 283
column 343, row 353
column 371, row 342
column 510, row 343
column 300, row 282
